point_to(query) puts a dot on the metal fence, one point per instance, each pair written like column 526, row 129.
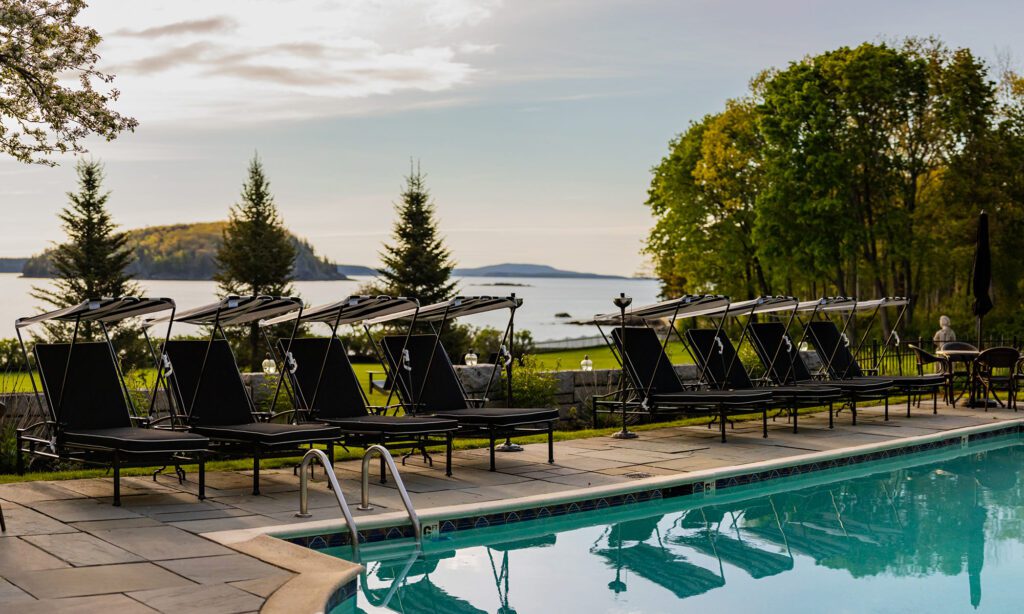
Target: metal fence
column 577, row 343
column 900, row 359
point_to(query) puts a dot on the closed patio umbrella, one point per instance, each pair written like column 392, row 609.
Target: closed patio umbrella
column 981, row 275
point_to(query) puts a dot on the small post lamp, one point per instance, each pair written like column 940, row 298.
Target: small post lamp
column 622, row 301
column 471, row 358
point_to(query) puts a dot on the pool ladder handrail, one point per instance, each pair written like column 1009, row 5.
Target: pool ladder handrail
column 325, row 462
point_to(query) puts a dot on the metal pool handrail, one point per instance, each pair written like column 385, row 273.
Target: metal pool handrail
column 319, row 455
column 365, row 502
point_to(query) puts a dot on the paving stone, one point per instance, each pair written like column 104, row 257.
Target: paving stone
column 161, row 543
column 98, row 604
column 225, row 524
column 24, row 521
column 120, row 523
column 10, row 595
column 263, row 587
column 30, row 492
column 82, row 549
column 221, row 569
column 19, row 555
column 213, row 599
column 200, row 515
column 101, row 487
column 81, row 509
column 104, row 579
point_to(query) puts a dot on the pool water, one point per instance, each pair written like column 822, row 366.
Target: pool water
column 927, row 533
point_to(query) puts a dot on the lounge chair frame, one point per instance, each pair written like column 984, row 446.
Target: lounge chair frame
column 353, row 311
column 45, row 438
column 235, row 311
column 437, row 316
column 640, row 400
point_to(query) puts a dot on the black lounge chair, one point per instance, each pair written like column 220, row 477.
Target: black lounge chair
column 91, row 418
column 661, row 392
column 840, row 364
column 718, row 361
column 208, row 389
column 786, row 367
column 325, row 389
column 428, row 384
column 90, row 415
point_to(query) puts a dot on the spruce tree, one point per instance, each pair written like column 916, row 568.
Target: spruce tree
column 91, row 263
column 256, row 256
column 416, row 263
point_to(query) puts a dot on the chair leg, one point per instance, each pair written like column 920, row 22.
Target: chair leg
column 491, row 433
column 448, row 454
column 853, row 411
column 383, row 475
column 886, row 409
column 796, row 412
column 256, row 473
column 764, row 423
column 551, row 443
column 117, row 479
column 3, row 523
column 202, row 476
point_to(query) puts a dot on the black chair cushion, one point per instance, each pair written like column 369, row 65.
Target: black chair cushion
column 222, row 398
column 862, row 385
column 393, row 425
column 806, row 393
column 324, row 379
column 917, row 381
column 431, row 381
column 720, row 367
column 500, row 416
column 270, row 433
column 93, row 397
column 777, row 351
column 753, row 398
column 129, row 439
column 646, row 363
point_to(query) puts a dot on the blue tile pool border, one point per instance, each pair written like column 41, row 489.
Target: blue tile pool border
column 334, row 539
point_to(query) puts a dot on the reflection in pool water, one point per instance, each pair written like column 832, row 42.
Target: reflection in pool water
column 943, row 536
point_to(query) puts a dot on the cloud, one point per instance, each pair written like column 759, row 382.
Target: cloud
column 166, row 60
column 190, row 26
column 453, row 14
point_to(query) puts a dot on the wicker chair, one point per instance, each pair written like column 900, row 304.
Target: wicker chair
column 997, row 368
column 945, row 367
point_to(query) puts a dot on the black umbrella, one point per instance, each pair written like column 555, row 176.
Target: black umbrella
column 981, row 276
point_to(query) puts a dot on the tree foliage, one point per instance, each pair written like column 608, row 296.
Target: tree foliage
column 92, row 262
column 416, row 262
column 42, row 50
column 189, row 251
column 256, row 255
column 859, row 171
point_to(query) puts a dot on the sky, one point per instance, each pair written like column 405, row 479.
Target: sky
column 536, row 121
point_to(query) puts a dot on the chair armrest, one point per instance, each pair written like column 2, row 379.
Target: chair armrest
column 382, row 410
column 35, row 425
column 477, row 402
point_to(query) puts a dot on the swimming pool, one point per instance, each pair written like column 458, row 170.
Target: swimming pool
column 940, row 531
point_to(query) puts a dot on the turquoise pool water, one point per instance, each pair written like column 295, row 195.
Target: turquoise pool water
column 941, row 532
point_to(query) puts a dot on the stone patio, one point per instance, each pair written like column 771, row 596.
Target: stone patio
column 67, row 549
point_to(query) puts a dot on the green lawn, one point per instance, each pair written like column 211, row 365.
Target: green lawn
column 568, row 360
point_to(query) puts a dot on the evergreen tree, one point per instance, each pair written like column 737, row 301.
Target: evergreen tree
column 256, row 256
column 416, row 263
column 92, row 263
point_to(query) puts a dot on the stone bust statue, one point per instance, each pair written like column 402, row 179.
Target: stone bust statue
column 944, row 334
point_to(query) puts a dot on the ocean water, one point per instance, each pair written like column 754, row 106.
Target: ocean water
column 542, row 299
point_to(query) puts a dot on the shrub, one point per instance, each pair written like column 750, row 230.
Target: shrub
column 532, row 385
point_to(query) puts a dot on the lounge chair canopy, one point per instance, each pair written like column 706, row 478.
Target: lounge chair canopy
column 759, row 305
column 352, row 310
column 688, row 306
column 235, row 310
column 104, row 310
column 453, row 308
column 848, row 304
